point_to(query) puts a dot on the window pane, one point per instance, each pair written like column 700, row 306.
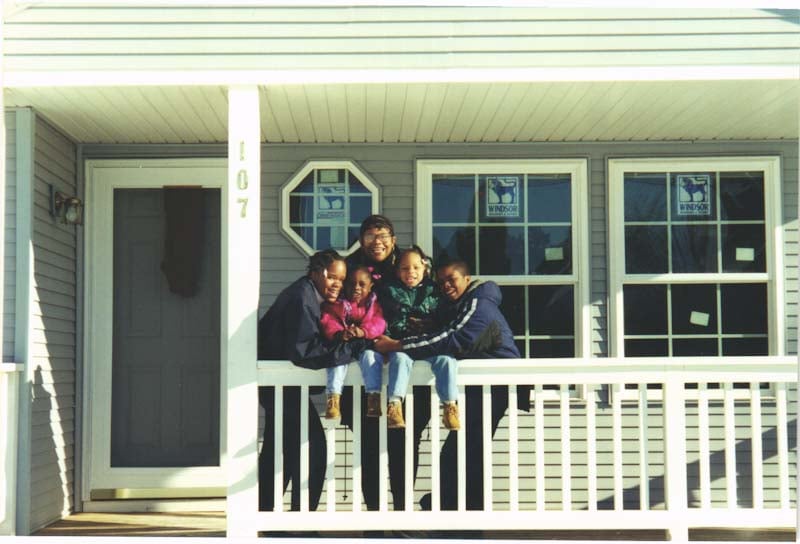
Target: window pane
column 694, row 248
column 500, row 198
column 645, row 308
column 694, row 309
column 307, row 185
column 502, row 250
column 453, row 199
column 513, row 307
column 552, row 348
column 356, row 186
column 645, row 197
column 741, row 195
column 693, row 197
column 552, row 310
column 703, row 347
column 745, row 346
column 646, row 348
column 743, row 248
column 334, row 237
column 352, row 234
column 306, row 233
column 549, row 250
column 744, row 308
column 360, row 208
column 301, row 209
column 549, row 199
column 521, row 347
column 455, row 243
column 646, row 250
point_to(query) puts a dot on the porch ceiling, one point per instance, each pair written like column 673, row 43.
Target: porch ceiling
column 433, row 112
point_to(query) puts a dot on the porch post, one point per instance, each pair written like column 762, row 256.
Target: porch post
column 241, row 273
column 675, row 457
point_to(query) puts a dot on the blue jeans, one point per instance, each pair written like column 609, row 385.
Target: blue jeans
column 444, row 368
column 371, row 363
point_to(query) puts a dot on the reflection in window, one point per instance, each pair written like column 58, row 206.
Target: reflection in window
column 542, row 319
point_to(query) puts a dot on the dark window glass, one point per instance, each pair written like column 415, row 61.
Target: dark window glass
column 693, row 196
column 453, row 199
column 646, row 250
column 552, row 348
column 635, row 347
column 741, row 195
column 353, row 235
column 694, row 248
column 694, row 309
column 645, row 308
column 745, row 346
column 307, row 185
column 331, row 237
column 549, row 199
column 513, row 307
column 702, row 347
column 549, row 250
column 306, row 233
column 743, row 248
column 356, row 186
column 502, row 250
column 552, row 310
column 360, row 208
column 455, row 243
column 301, row 209
column 501, row 198
column 521, row 347
column 645, row 197
column 744, row 308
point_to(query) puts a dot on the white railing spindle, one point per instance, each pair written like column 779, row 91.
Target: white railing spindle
column 277, row 432
column 566, row 449
column 330, row 469
column 783, row 444
column 704, row 448
column 616, row 430
column 304, row 449
column 591, row 446
column 383, row 460
column 408, row 446
column 513, row 450
column 435, row 451
column 462, row 450
column 730, row 445
column 538, row 431
column 486, row 408
column 644, row 479
column 756, row 452
column 357, row 437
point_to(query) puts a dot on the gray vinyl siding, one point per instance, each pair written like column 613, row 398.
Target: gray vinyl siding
column 63, row 38
column 53, row 333
column 9, row 242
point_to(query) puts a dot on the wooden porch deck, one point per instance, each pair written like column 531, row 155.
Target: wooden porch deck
column 212, row 524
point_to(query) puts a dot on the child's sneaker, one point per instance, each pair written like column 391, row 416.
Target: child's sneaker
column 394, row 416
column 332, row 410
column 373, row 405
column 450, row 416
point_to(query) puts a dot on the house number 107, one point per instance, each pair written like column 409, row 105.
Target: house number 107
column 241, row 182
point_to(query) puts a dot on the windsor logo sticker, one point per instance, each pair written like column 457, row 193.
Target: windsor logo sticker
column 502, row 196
column 694, row 194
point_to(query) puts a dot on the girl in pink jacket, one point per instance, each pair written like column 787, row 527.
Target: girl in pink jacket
column 358, row 315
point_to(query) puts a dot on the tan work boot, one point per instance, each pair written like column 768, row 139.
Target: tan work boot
column 450, row 416
column 373, row 405
column 332, row 410
column 394, row 415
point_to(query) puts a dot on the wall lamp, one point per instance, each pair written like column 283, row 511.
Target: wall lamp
column 67, row 208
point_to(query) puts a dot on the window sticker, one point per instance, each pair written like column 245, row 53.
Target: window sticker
column 554, row 254
column 699, row 318
column 747, row 254
column 330, row 204
column 502, row 196
column 694, row 194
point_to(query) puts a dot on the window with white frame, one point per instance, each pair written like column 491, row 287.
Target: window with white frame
column 522, row 224
column 324, row 203
column 695, row 256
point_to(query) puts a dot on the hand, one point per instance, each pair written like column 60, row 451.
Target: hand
column 384, row 344
column 357, row 332
column 346, row 335
column 419, row 325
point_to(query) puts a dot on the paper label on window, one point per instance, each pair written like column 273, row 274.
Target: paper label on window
column 699, row 318
column 329, row 176
column 554, row 254
column 745, row 254
column 502, row 196
column 694, row 194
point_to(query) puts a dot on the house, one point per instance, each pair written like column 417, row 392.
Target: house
column 629, row 177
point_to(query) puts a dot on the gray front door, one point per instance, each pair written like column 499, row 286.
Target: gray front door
column 166, row 352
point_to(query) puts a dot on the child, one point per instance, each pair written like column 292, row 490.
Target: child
column 411, row 299
column 357, row 315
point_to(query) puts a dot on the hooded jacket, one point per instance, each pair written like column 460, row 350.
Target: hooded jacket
column 402, row 302
column 475, row 328
column 290, row 330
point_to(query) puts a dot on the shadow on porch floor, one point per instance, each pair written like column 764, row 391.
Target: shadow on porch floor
column 212, row 524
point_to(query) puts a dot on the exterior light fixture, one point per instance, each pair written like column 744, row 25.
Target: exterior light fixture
column 69, row 209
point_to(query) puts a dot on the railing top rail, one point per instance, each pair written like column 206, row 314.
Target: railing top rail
column 583, row 371
column 11, row 367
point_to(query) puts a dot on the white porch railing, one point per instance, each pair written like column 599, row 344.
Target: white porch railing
column 9, row 398
column 670, row 444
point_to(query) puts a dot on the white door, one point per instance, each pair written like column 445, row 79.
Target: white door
column 155, row 425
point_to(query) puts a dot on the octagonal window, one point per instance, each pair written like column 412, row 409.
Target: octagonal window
column 324, row 203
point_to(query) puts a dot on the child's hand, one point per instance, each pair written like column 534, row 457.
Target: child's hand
column 419, row 325
column 357, row 332
column 347, row 335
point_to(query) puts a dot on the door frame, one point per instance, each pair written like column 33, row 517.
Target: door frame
column 102, row 177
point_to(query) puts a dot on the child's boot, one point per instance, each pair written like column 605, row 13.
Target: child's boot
column 394, row 415
column 332, row 410
column 373, row 405
column 450, row 416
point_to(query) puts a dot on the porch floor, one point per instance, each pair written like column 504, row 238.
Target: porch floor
column 212, row 524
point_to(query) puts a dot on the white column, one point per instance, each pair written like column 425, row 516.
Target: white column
column 240, row 280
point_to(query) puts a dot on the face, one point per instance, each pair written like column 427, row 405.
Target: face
column 452, row 282
column 378, row 244
column 359, row 286
column 329, row 281
column 411, row 269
